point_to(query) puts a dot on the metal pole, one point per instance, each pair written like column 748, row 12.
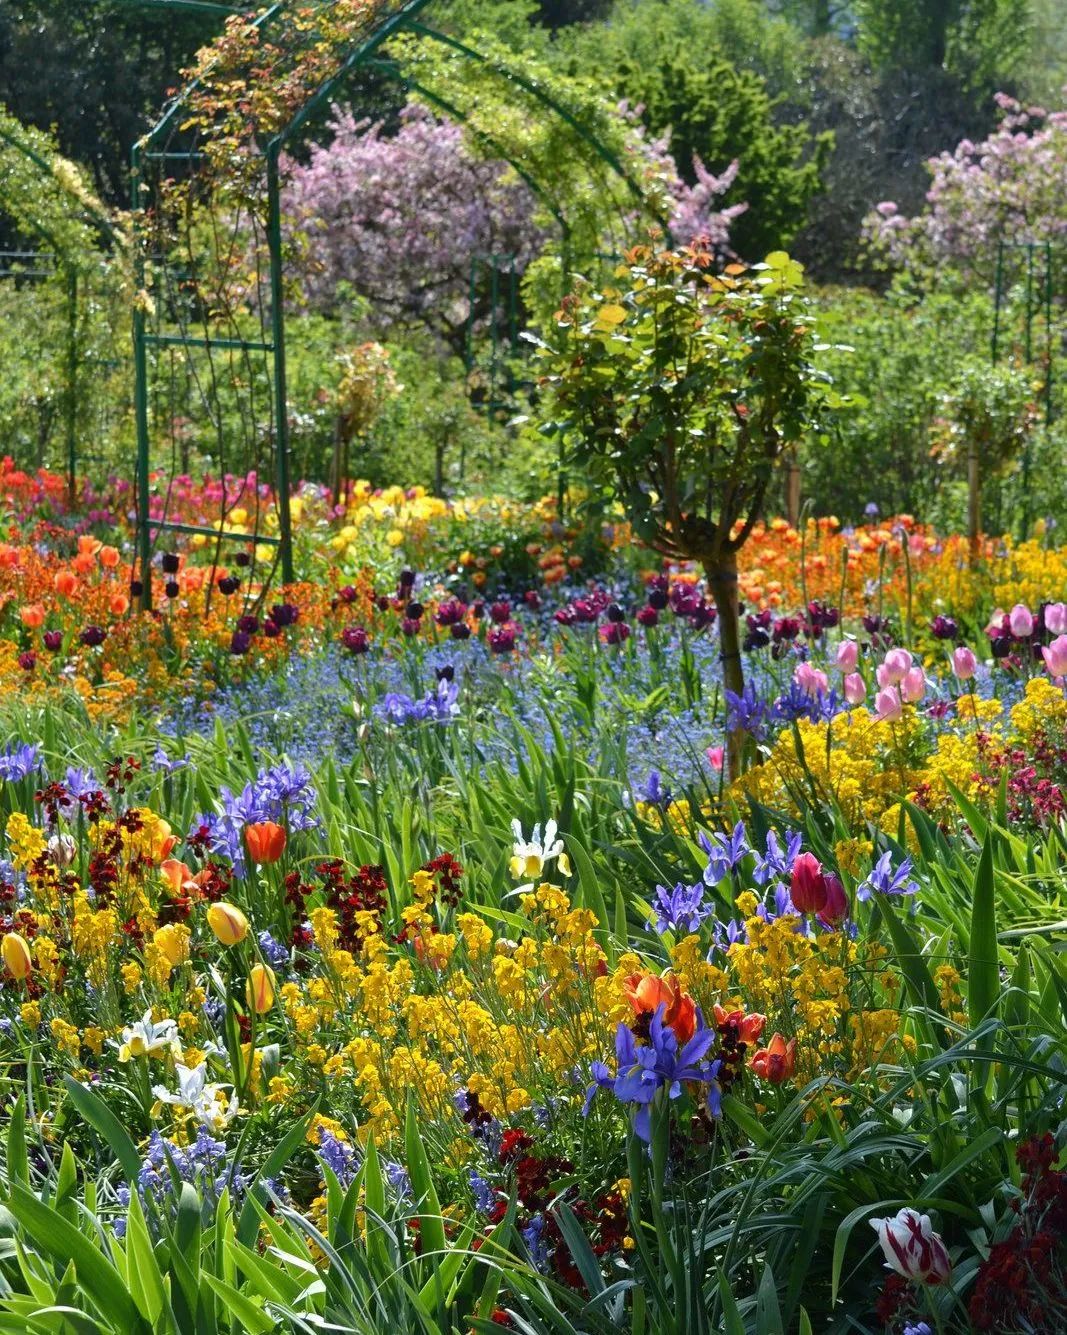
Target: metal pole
column 1048, row 334
column 71, row 405
column 1029, row 302
column 277, row 320
column 140, row 397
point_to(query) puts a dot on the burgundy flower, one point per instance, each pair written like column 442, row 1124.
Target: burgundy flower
column 500, row 612
column 53, row 640
column 355, row 639
column 241, row 642
column 93, row 636
column 648, row 616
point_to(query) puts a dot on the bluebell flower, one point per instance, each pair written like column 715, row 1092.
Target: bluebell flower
column 484, row 1195
column 724, row 852
column 883, row 880
column 276, row 955
column 20, row 763
column 339, row 1157
column 682, row 908
column 536, row 1244
column 776, row 862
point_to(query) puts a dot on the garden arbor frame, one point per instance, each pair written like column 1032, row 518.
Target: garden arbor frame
column 70, row 225
column 211, row 262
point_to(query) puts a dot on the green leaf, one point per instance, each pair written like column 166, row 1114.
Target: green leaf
column 431, row 1225
column 99, row 1115
column 61, row 1240
column 983, row 966
column 249, row 1316
column 142, row 1268
column 18, row 1166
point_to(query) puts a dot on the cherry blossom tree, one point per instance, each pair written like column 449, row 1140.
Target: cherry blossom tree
column 1009, row 187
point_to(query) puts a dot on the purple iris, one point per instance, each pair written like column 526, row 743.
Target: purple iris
column 20, row 763
column 884, row 880
column 724, row 852
column 646, row 1068
column 776, row 862
column 680, row 908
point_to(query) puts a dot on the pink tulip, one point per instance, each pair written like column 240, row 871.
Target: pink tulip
column 1021, row 620
column 810, row 680
column 835, row 910
column 896, row 663
column 1056, row 618
column 855, row 689
column 996, row 620
column 848, row 655
column 888, row 706
column 912, row 1248
column 1055, row 656
column 913, row 687
column 715, row 755
column 964, row 663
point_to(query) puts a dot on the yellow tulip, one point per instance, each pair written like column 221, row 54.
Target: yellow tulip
column 227, row 922
column 259, row 991
column 16, row 955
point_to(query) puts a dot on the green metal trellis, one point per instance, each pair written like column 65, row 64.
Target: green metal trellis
column 231, row 358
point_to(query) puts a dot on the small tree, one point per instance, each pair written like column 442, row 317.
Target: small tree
column 678, row 392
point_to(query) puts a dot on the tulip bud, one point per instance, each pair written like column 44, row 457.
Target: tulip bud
column 1056, row 618
column 227, row 922
column 896, row 663
column 855, row 689
column 964, row 663
column 259, row 990
column 835, row 910
column 775, row 1063
column 808, row 887
column 912, row 1248
column 913, row 686
column 888, row 706
column 265, row 841
column 1021, row 621
column 16, row 955
column 1055, row 656
column 848, row 655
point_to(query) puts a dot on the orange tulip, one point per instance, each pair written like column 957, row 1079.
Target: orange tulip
column 119, row 604
column 109, row 557
column 646, row 993
column 265, row 842
column 167, row 846
column 88, row 545
column 65, row 584
column 176, row 874
column 32, row 615
column 777, row 1062
column 749, row 1027
column 16, row 955
column 259, row 990
column 83, row 563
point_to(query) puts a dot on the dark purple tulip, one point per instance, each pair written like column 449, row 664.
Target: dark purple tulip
column 407, row 578
column 229, row 584
column 136, row 588
column 445, row 673
column 53, row 640
column 944, row 628
column 501, row 639
column 27, row 661
column 460, row 631
column 382, row 602
column 532, row 599
column 242, row 559
column 648, row 616
column 348, row 594
column 500, row 612
column 93, row 635
column 248, row 624
column 241, row 642
column 410, row 626
column 450, row 613
column 355, row 639
column 616, row 613
column 657, row 599
column 615, row 632
column 285, row 614
column 170, row 563
column 414, row 611
column 271, row 629
column 172, row 588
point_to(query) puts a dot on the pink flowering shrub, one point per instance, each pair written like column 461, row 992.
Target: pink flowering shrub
column 1010, row 186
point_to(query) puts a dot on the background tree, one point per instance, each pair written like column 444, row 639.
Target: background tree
column 678, row 391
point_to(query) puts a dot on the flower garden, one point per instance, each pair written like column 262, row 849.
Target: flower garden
column 533, row 729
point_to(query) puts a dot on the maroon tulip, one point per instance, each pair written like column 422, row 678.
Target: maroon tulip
column 835, row 910
column 808, row 890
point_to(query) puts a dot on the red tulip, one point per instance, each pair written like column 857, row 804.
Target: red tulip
column 265, row 842
column 808, row 890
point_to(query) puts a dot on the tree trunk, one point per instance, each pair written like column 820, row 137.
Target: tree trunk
column 974, row 500
column 722, row 582
column 792, row 491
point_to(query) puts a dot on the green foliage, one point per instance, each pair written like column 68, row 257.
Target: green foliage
column 981, row 41
column 679, row 390
column 717, row 112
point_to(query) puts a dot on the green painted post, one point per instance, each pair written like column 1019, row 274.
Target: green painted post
column 277, row 321
column 71, row 404
column 998, row 297
column 1048, row 334
column 140, row 398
